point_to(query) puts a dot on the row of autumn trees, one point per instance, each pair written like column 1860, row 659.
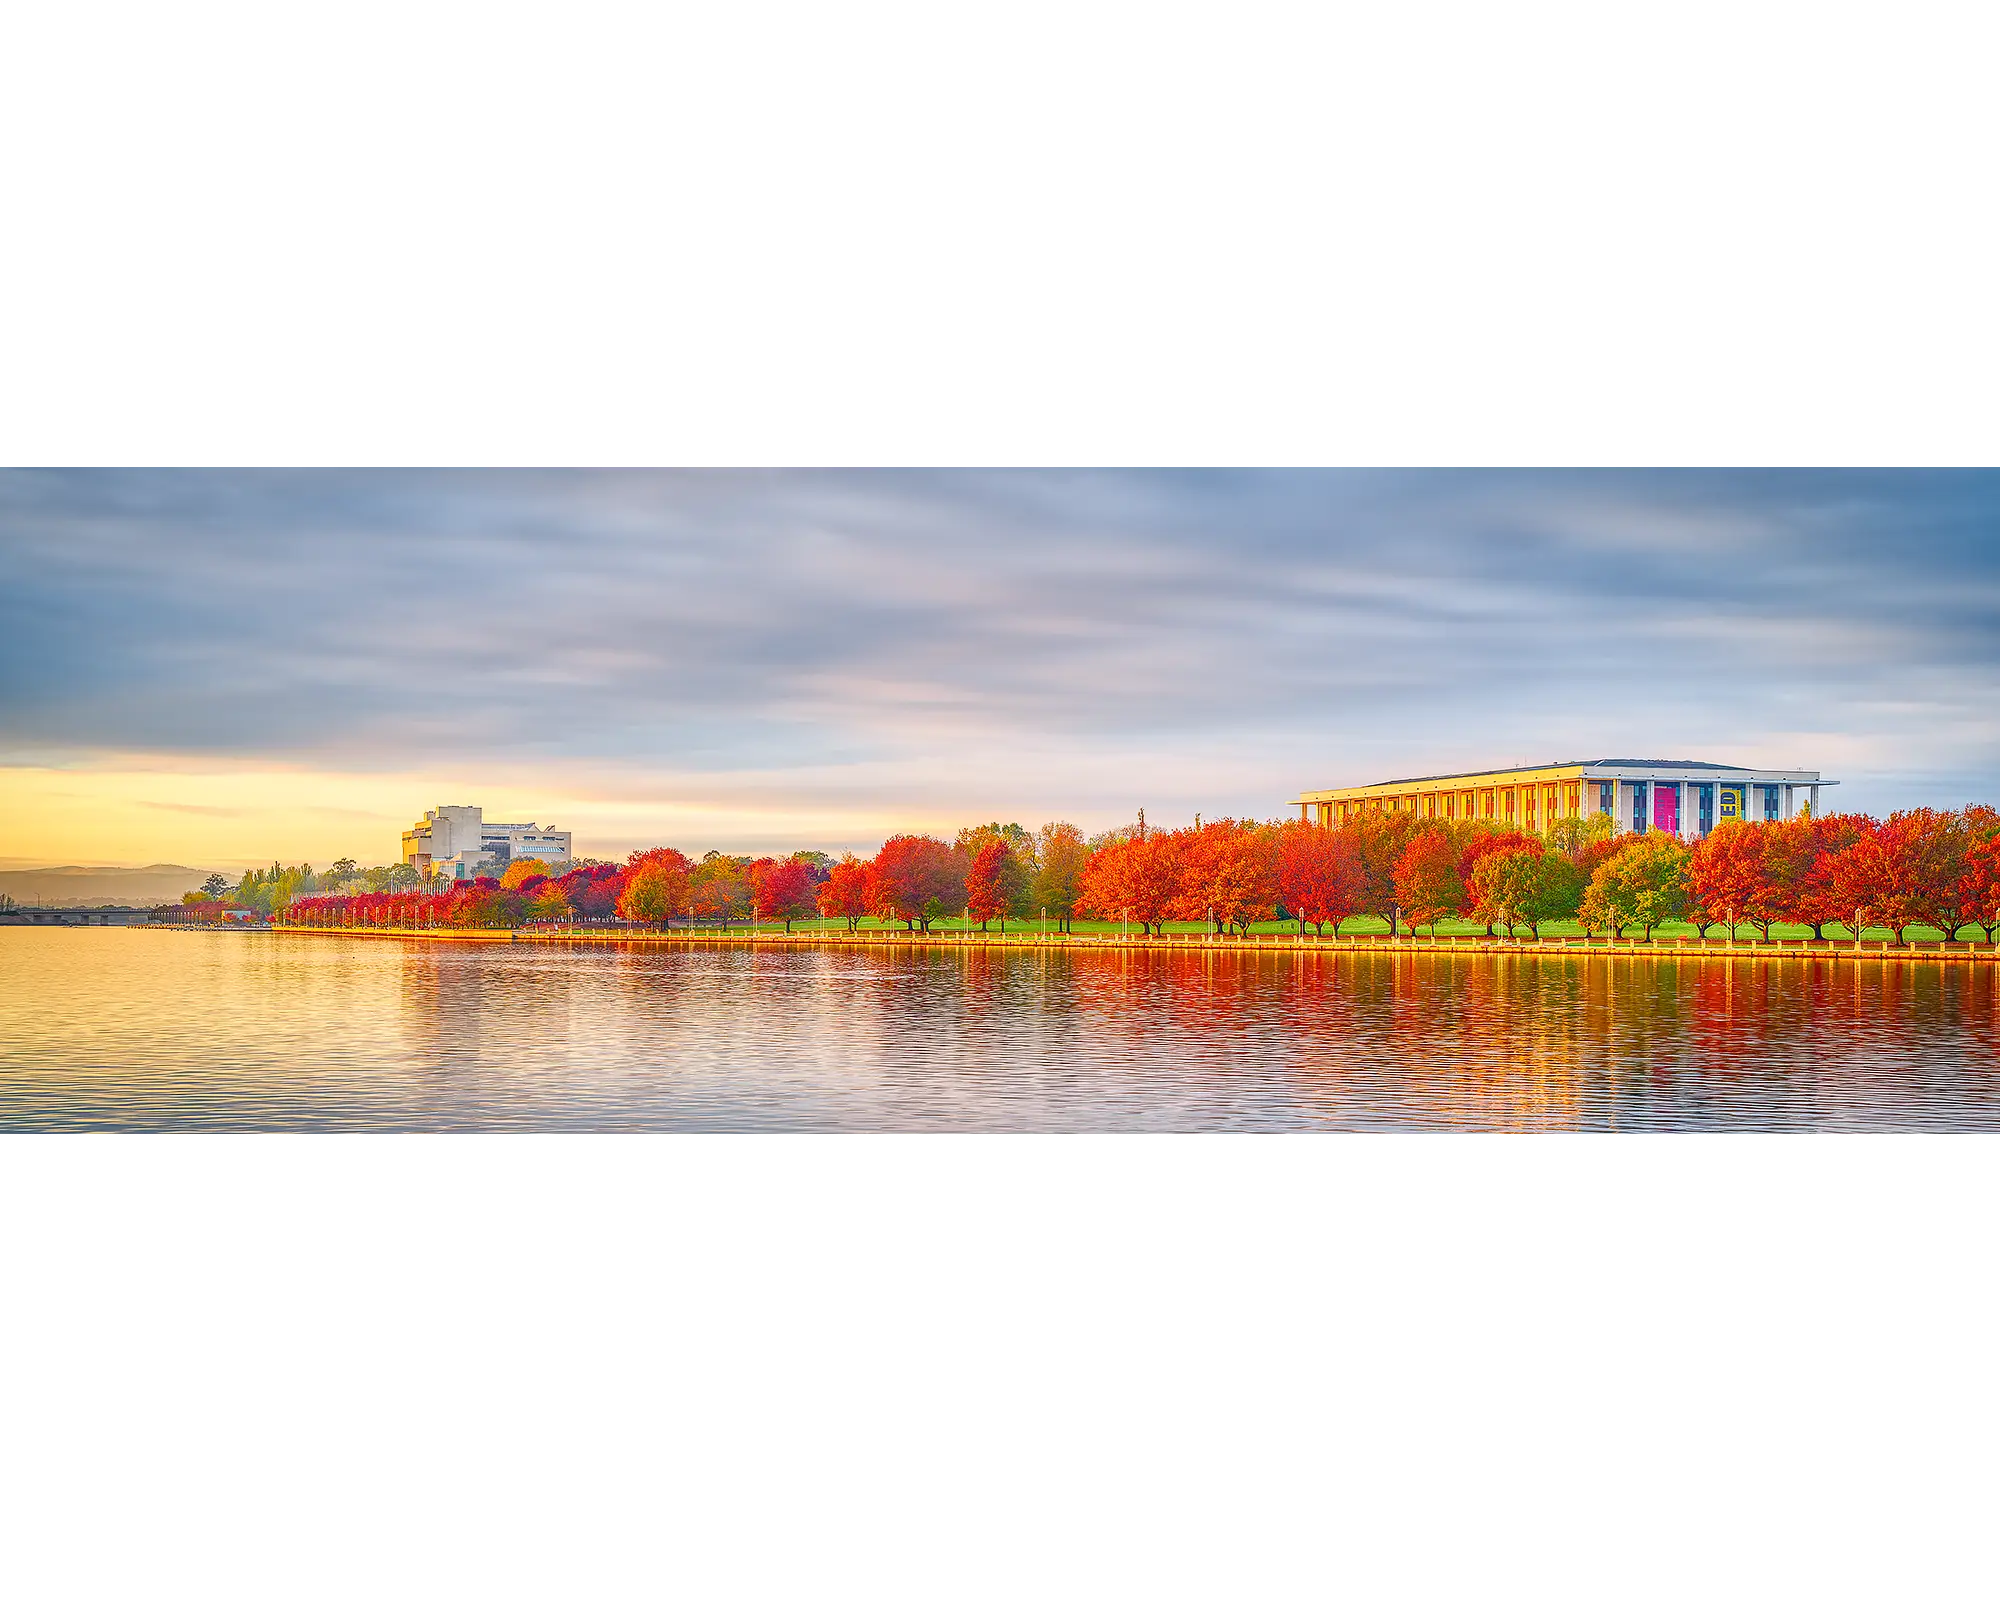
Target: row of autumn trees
column 1939, row 869
column 1931, row 868
column 989, row 873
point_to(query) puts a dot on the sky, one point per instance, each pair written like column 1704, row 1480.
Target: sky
column 218, row 668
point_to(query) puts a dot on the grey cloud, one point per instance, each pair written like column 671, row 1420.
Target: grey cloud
column 1216, row 629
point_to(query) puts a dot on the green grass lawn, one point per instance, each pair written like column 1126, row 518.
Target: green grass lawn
column 1364, row 926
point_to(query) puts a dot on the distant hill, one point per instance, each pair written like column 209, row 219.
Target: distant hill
column 104, row 886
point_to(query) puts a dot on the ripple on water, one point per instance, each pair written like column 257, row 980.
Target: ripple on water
column 109, row 1028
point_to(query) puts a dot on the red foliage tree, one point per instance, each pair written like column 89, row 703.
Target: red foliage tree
column 1929, row 848
column 846, row 891
column 1982, row 884
column 1318, row 877
column 1816, row 899
column 1907, row 870
column 1869, row 877
column 484, row 904
column 781, row 890
column 592, row 892
column 916, row 879
column 1428, row 887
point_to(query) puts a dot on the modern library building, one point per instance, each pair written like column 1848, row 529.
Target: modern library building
column 1683, row 797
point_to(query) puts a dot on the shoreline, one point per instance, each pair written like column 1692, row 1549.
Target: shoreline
column 1268, row 944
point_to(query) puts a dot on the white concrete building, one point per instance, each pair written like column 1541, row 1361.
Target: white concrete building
column 458, row 842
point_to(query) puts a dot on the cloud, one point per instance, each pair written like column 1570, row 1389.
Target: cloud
column 189, row 810
column 1212, row 640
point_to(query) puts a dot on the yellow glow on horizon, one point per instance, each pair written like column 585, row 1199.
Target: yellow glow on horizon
column 222, row 816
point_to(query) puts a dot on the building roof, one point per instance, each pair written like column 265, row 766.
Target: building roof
column 1546, row 766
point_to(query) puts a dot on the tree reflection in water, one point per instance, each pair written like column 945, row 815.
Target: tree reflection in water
column 113, row 1028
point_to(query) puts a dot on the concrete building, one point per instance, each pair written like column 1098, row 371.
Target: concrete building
column 1684, row 797
column 458, row 842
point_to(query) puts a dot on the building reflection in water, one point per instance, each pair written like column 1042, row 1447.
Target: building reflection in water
column 112, row 1028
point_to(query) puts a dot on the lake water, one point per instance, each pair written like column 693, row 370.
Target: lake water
column 109, row 1028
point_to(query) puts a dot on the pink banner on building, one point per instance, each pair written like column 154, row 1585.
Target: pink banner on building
column 1666, row 807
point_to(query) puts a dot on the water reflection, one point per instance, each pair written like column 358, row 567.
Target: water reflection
column 112, row 1028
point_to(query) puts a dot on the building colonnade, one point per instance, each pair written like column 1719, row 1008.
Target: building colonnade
column 1684, row 798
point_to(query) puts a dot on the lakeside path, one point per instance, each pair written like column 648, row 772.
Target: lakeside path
column 1189, row 943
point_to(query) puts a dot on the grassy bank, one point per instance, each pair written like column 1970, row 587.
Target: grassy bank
column 1365, row 927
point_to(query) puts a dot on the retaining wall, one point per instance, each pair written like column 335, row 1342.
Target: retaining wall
column 1265, row 944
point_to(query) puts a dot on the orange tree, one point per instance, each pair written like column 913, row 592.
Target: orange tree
column 1135, row 878
column 1228, row 875
column 1379, row 838
column 1726, row 875
column 1428, row 887
column 985, row 886
column 524, row 873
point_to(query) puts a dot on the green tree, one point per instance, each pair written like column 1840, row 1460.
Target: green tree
column 1061, row 854
column 653, row 895
column 1572, row 836
column 1642, row 886
column 1507, row 883
column 719, row 887
column 1555, row 893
